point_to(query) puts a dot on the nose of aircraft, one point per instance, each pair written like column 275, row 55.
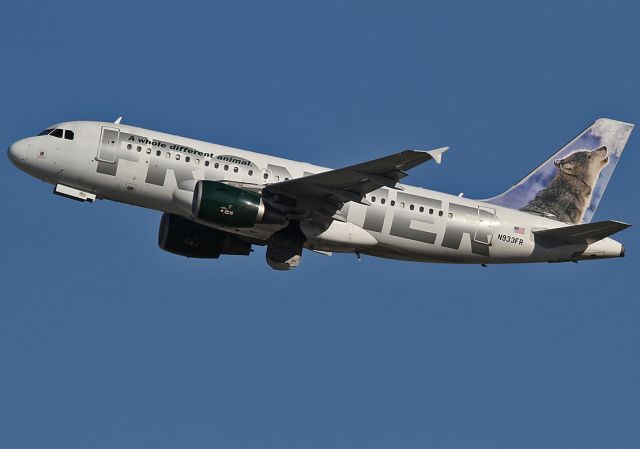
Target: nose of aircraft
column 17, row 153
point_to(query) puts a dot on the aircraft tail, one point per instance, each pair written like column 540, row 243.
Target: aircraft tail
column 568, row 186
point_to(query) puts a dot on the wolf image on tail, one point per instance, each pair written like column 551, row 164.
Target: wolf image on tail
column 569, row 185
column 569, row 193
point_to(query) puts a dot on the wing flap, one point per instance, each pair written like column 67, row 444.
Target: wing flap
column 583, row 233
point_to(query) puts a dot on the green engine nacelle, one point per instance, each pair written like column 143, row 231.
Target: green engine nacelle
column 184, row 237
column 225, row 205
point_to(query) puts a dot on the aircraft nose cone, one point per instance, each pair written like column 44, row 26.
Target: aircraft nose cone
column 17, row 154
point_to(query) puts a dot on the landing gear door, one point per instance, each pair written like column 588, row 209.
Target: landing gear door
column 109, row 141
column 486, row 225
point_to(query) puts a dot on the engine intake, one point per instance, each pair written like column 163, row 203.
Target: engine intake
column 184, row 237
column 225, row 205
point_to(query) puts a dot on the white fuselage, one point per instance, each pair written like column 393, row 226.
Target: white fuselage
column 156, row 170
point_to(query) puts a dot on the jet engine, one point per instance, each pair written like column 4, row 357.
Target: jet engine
column 225, row 205
column 184, row 237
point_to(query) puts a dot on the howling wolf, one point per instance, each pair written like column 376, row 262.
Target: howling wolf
column 569, row 194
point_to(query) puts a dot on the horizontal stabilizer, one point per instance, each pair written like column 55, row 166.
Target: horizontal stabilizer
column 583, row 233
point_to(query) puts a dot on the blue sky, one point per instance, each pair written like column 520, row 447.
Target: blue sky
column 107, row 341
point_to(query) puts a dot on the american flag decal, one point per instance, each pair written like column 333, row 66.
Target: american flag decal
column 519, row 230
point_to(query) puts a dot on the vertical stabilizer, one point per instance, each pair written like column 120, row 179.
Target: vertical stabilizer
column 569, row 185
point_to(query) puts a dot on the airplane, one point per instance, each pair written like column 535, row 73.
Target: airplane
column 217, row 200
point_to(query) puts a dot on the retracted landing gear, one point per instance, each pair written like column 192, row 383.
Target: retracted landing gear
column 285, row 248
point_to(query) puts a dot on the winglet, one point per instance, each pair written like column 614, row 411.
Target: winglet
column 437, row 154
column 118, row 120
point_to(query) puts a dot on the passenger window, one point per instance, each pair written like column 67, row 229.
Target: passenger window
column 411, row 207
column 373, row 199
column 226, row 167
column 128, row 146
column 148, row 150
column 393, row 203
column 56, row 133
column 265, row 176
column 206, row 163
column 177, row 157
column 235, row 169
column 197, row 161
column 421, row 209
column 216, row 165
column 68, row 135
column 250, row 172
column 139, row 149
column 430, row 211
column 450, row 215
column 440, row 214
column 168, row 155
column 382, row 200
column 187, row 158
column 158, row 153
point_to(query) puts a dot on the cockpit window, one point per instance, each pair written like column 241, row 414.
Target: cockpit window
column 58, row 132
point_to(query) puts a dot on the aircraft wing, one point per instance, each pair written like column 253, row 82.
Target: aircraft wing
column 326, row 192
column 583, row 233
